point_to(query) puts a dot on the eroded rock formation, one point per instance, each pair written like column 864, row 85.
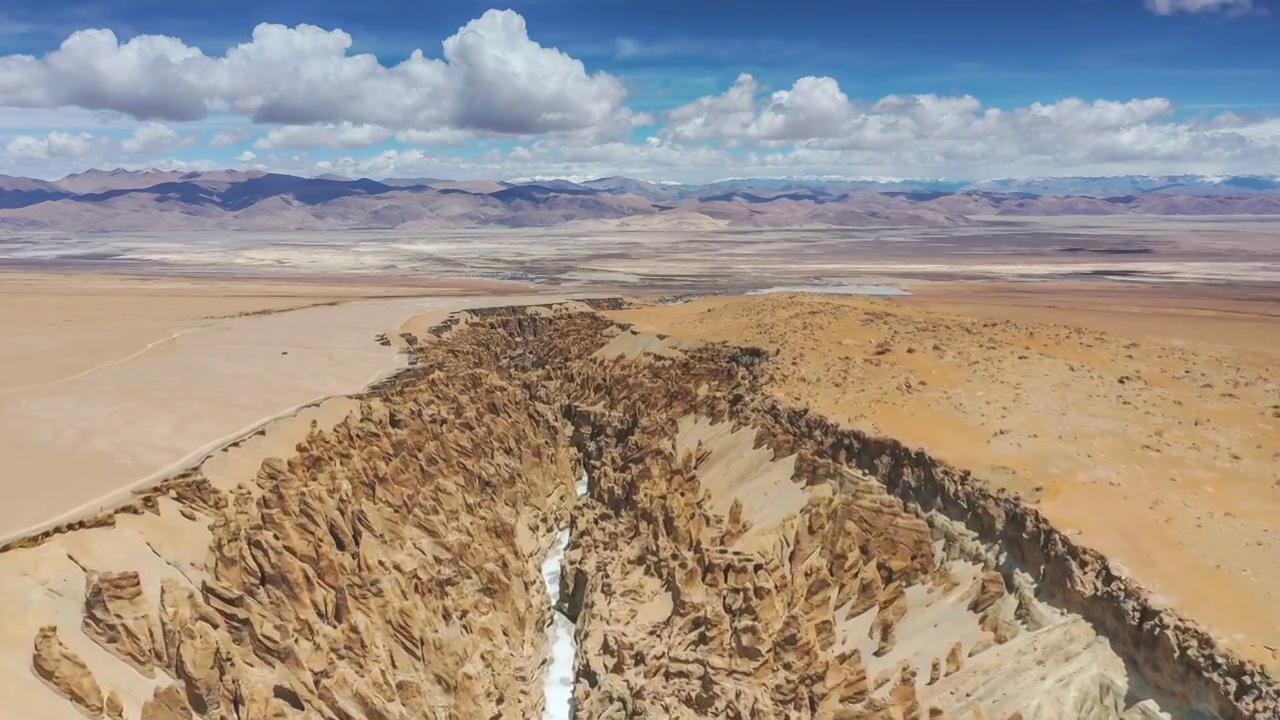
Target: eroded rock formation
column 731, row 558
column 65, row 672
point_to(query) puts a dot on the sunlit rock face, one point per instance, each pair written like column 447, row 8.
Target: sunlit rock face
column 438, row 555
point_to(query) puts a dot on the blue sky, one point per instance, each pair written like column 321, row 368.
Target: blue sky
column 1212, row 62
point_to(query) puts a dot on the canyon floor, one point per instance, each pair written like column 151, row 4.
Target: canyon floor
column 228, row 525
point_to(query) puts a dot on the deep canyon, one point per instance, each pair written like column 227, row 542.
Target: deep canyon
column 729, row 556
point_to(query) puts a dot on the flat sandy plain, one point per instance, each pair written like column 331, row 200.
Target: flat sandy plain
column 1121, row 373
column 107, row 382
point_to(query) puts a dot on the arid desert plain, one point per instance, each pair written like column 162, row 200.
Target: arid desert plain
column 1022, row 468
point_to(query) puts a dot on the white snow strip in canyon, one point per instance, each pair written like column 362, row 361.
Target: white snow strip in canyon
column 558, row 683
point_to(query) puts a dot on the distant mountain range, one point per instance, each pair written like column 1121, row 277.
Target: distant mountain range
column 121, row 200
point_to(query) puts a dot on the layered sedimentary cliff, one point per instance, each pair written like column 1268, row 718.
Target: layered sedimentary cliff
column 730, row 558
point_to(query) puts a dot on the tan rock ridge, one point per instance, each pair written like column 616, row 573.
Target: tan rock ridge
column 66, row 673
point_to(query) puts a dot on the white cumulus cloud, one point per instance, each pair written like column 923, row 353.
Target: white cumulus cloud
column 715, row 116
column 56, row 145
column 313, row 101
column 499, row 68
column 152, row 138
column 491, row 78
column 230, row 136
column 813, row 107
column 1169, row 7
column 815, row 123
column 309, row 137
column 438, row 138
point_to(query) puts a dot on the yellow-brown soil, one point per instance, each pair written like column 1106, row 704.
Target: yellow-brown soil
column 1137, row 422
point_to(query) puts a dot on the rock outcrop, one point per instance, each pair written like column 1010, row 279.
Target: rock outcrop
column 676, row 623
column 117, row 617
column 65, row 672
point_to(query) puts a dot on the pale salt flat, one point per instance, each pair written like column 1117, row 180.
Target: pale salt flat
column 834, row 289
column 1175, row 249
